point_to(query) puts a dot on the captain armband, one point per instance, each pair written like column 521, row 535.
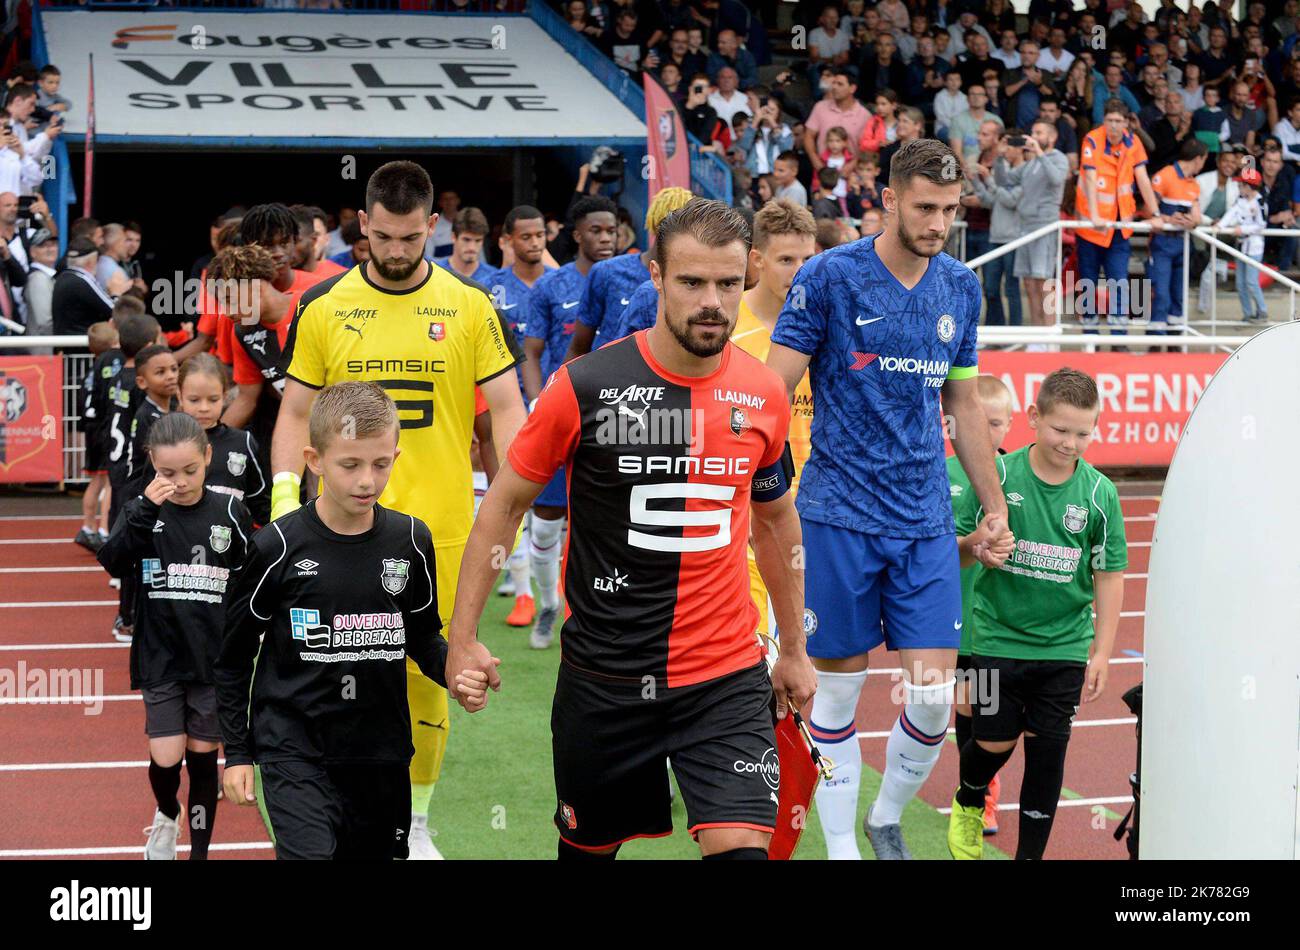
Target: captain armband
column 773, row 481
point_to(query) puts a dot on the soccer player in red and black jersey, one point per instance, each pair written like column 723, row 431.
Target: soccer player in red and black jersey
column 674, row 445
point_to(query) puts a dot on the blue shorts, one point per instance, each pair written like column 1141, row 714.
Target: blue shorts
column 861, row 590
column 556, row 492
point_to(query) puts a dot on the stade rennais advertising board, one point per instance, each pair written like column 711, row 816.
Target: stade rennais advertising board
column 1145, row 398
column 178, row 73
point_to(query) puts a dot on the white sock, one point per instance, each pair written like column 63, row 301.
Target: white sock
column 833, row 729
column 520, row 574
column 914, row 746
column 544, row 551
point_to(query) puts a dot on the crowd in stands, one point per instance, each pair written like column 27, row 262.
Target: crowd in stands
column 863, row 78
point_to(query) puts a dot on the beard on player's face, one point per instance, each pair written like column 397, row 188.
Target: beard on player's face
column 396, row 268
column 912, row 241
column 703, row 333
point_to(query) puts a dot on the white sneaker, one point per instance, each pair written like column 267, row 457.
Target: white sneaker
column 163, row 833
column 419, row 842
column 507, row 587
column 115, row 583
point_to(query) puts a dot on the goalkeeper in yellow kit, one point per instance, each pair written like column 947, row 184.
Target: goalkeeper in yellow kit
column 428, row 336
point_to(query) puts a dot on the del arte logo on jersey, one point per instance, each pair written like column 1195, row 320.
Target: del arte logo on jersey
column 642, row 394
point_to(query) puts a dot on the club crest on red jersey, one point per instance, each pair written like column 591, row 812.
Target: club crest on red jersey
column 568, row 816
column 739, row 421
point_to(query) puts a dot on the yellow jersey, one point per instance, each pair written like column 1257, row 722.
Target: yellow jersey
column 755, row 339
column 429, row 347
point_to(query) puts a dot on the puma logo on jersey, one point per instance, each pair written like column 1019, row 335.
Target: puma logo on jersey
column 348, row 326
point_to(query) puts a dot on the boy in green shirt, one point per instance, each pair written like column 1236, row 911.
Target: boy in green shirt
column 997, row 402
column 1034, row 649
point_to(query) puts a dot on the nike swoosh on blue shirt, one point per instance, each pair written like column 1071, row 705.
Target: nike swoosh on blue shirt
column 566, row 306
column 862, row 323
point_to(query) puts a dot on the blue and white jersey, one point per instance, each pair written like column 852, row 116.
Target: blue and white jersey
column 879, row 355
column 510, row 296
column 609, row 285
column 641, row 311
column 482, row 274
column 551, row 311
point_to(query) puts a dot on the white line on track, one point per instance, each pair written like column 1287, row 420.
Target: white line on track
column 89, row 569
column 36, row 541
column 130, row 849
column 60, row 603
column 22, row 647
column 78, row 766
column 1140, row 518
column 1078, row 723
column 40, row 517
column 67, row 700
column 1015, row 806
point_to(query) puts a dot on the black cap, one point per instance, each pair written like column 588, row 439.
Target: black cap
column 81, row 247
column 41, row 237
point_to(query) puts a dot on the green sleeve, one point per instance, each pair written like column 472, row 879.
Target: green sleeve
column 965, row 511
column 1109, row 545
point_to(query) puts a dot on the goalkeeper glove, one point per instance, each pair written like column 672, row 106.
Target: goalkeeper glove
column 284, row 493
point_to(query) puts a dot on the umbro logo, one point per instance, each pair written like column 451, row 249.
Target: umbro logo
column 307, row 567
column 1015, row 498
column 158, row 526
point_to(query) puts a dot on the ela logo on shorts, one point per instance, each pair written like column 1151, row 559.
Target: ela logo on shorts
column 236, row 462
column 396, row 574
column 220, row 538
column 947, row 328
column 1076, row 518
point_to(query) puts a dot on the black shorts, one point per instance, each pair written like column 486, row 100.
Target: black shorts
column 337, row 812
column 96, row 452
column 610, row 742
column 1011, row 697
column 181, row 709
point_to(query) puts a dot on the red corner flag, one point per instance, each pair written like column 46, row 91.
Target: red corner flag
column 668, row 158
column 801, row 764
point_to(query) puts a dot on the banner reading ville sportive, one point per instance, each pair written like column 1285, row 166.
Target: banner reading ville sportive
column 1145, row 398
column 238, row 77
column 31, row 430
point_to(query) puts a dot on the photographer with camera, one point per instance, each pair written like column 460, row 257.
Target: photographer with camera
column 698, row 115
column 766, row 138
column 18, row 173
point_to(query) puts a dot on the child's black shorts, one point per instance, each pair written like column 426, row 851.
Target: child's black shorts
column 611, row 738
column 1017, row 696
column 338, row 812
column 176, row 709
column 96, row 451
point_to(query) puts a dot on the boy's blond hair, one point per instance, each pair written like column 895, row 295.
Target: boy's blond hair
column 353, row 410
column 1070, row 387
column 782, row 216
column 102, row 336
column 992, row 391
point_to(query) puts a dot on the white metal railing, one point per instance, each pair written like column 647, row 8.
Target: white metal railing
column 1186, row 335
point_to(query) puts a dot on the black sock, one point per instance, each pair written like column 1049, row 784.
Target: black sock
column 978, row 766
column 568, row 852
column 1040, row 790
column 202, row 768
column 739, row 854
column 165, row 782
column 963, row 729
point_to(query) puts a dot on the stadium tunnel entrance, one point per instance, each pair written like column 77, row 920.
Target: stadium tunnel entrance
column 175, row 194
